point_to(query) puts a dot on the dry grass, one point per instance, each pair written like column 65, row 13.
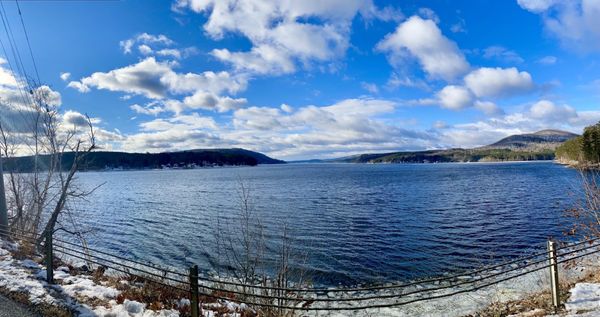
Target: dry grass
column 542, row 302
column 45, row 310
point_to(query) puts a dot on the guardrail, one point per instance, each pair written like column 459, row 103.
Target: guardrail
column 313, row 299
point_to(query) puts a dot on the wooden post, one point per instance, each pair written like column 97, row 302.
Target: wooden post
column 49, row 258
column 194, row 300
column 553, row 274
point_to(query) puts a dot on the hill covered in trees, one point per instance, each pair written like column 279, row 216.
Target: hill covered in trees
column 122, row 160
column 523, row 147
column 582, row 151
column 533, row 142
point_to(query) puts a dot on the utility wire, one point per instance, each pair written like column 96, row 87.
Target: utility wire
column 28, row 44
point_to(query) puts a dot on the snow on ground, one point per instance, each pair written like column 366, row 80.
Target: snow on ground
column 584, row 301
column 27, row 277
column 472, row 302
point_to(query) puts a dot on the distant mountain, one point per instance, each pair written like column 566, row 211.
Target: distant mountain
column 122, row 160
column 522, row 147
column 541, row 140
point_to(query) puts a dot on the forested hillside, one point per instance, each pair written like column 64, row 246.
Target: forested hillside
column 583, row 150
column 122, row 160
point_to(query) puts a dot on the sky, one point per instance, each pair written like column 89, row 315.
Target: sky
column 313, row 78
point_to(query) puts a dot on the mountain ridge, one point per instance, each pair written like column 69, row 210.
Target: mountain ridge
column 110, row 160
column 538, row 145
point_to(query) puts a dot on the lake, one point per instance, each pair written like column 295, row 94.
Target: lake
column 348, row 223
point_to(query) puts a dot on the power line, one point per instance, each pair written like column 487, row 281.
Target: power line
column 37, row 74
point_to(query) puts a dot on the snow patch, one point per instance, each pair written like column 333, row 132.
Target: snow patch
column 584, row 297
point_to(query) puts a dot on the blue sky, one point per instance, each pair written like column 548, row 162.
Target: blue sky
column 313, row 79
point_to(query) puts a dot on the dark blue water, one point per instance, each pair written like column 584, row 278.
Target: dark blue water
column 349, row 223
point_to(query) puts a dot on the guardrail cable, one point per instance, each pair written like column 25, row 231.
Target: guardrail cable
column 260, row 297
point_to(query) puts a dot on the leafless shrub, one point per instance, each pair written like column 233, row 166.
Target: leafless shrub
column 586, row 212
column 241, row 248
column 39, row 196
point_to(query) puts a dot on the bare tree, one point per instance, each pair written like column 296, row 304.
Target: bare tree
column 242, row 248
column 586, row 212
column 43, row 155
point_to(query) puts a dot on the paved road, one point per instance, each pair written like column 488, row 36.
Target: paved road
column 8, row 308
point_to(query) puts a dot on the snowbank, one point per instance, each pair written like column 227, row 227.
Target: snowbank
column 71, row 291
column 27, row 277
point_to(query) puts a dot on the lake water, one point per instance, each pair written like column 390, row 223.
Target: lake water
column 352, row 223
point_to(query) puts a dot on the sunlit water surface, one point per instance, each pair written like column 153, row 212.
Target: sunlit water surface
column 349, row 223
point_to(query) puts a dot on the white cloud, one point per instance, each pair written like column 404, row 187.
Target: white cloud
column 65, row 76
column 48, row 96
column 459, row 27
column 370, row 87
column 145, row 49
column 145, row 39
column 180, row 122
column 155, row 80
column 74, row 118
column 429, row 14
column 440, row 124
column 439, row 56
column 496, row 82
column 502, row 54
column 537, row 6
column 6, row 76
column 209, row 101
column 575, row 23
column 541, row 115
column 175, row 53
column 488, row 107
column 262, row 59
column 547, row 60
column 397, row 80
column 152, row 109
column 455, row 97
column 78, row 86
column 546, row 110
column 283, row 33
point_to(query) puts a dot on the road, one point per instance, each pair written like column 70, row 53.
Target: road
column 8, row 308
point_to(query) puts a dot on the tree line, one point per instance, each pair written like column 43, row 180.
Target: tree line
column 584, row 149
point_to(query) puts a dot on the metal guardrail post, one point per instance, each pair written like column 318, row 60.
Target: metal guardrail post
column 194, row 291
column 553, row 274
column 49, row 258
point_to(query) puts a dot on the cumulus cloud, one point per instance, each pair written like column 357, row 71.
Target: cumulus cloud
column 65, row 76
column 156, row 45
column 79, row 86
column 158, row 80
column 152, row 109
column 283, row 33
column 180, row 122
column 496, row 82
column 455, row 97
column 575, row 23
column 209, row 101
column 488, row 107
column 145, row 39
column 74, row 118
column 540, row 115
column 548, row 111
column 438, row 56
